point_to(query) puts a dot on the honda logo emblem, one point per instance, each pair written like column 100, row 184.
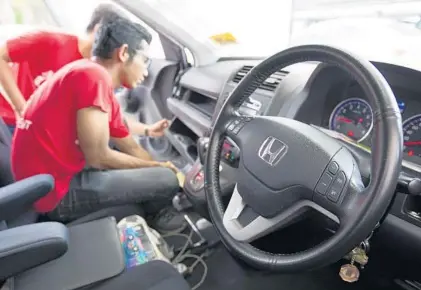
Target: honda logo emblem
column 272, row 150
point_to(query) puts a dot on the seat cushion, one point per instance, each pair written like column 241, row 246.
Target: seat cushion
column 154, row 275
column 26, row 218
column 94, row 254
column 118, row 212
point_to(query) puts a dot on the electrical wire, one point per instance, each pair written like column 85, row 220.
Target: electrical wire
column 185, row 246
column 185, row 254
column 176, row 231
column 199, row 259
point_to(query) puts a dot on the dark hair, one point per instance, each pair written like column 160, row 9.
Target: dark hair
column 103, row 13
column 113, row 35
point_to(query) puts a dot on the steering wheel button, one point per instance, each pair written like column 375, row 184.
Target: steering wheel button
column 334, row 194
column 238, row 128
column 324, row 183
column 340, row 180
column 333, row 167
column 337, row 186
column 231, row 127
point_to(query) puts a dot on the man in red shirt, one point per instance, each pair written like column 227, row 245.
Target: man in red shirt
column 39, row 54
column 68, row 123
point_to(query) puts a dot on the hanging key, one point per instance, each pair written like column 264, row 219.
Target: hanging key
column 350, row 272
column 359, row 256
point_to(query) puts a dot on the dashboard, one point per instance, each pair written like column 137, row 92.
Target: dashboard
column 323, row 96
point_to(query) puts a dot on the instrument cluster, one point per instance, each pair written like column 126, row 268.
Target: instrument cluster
column 353, row 117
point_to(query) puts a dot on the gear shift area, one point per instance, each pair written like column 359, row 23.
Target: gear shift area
column 202, row 148
column 195, row 178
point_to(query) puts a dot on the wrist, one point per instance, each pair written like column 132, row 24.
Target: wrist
column 156, row 164
column 147, row 131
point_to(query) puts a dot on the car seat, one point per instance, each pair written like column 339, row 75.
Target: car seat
column 83, row 255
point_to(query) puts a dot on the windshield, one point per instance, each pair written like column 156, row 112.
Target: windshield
column 380, row 30
column 255, row 28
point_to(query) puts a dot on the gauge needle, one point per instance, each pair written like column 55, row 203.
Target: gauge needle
column 343, row 119
column 412, row 143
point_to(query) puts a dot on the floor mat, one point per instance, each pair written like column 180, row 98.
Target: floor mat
column 225, row 273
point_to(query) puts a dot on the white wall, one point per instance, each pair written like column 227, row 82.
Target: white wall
column 7, row 16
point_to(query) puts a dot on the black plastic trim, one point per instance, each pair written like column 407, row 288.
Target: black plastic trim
column 192, row 118
column 400, row 235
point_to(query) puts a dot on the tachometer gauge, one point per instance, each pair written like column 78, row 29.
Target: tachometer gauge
column 412, row 136
column 353, row 118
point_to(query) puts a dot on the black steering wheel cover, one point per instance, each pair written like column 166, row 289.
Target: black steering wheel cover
column 386, row 159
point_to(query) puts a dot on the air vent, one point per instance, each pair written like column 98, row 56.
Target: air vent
column 242, row 73
column 269, row 85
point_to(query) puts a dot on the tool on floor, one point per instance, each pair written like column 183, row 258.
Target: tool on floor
column 196, row 231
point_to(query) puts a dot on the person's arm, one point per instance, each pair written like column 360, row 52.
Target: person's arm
column 135, row 127
column 129, row 146
column 94, row 135
column 154, row 130
column 121, row 135
column 27, row 48
column 10, row 89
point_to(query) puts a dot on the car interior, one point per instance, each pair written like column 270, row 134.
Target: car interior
column 301, row 172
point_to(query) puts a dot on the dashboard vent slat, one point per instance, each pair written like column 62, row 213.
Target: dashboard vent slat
column 242, row 73
column 269, row 85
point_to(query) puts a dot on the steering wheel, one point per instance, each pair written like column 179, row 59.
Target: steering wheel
column 287, row 167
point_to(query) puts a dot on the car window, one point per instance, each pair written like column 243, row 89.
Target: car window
column 28, row 12
column 74, row 15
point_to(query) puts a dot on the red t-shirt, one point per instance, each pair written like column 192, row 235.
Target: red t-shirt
column 48, row 142
column 38, row 54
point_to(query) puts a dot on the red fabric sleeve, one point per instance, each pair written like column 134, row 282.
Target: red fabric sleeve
column 91, row 89
column 30, row 46
column 117, row 127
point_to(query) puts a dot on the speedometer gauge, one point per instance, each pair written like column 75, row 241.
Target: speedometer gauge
column 353, row 118
column 412, row 136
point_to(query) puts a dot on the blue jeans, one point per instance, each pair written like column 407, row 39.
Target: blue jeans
column 92, row 190
column 11, row 129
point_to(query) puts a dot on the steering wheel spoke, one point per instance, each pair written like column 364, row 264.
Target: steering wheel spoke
column 245, row 225
column 342, row 205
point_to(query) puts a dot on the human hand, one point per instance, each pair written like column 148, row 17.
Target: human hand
column 19, row 117
column 169, row 165
column 157, row 129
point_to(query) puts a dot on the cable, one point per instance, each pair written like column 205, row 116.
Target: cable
column 176, row 231
column 185, row 254
column 184, row 248
column 169, row 235
column 199, row 259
